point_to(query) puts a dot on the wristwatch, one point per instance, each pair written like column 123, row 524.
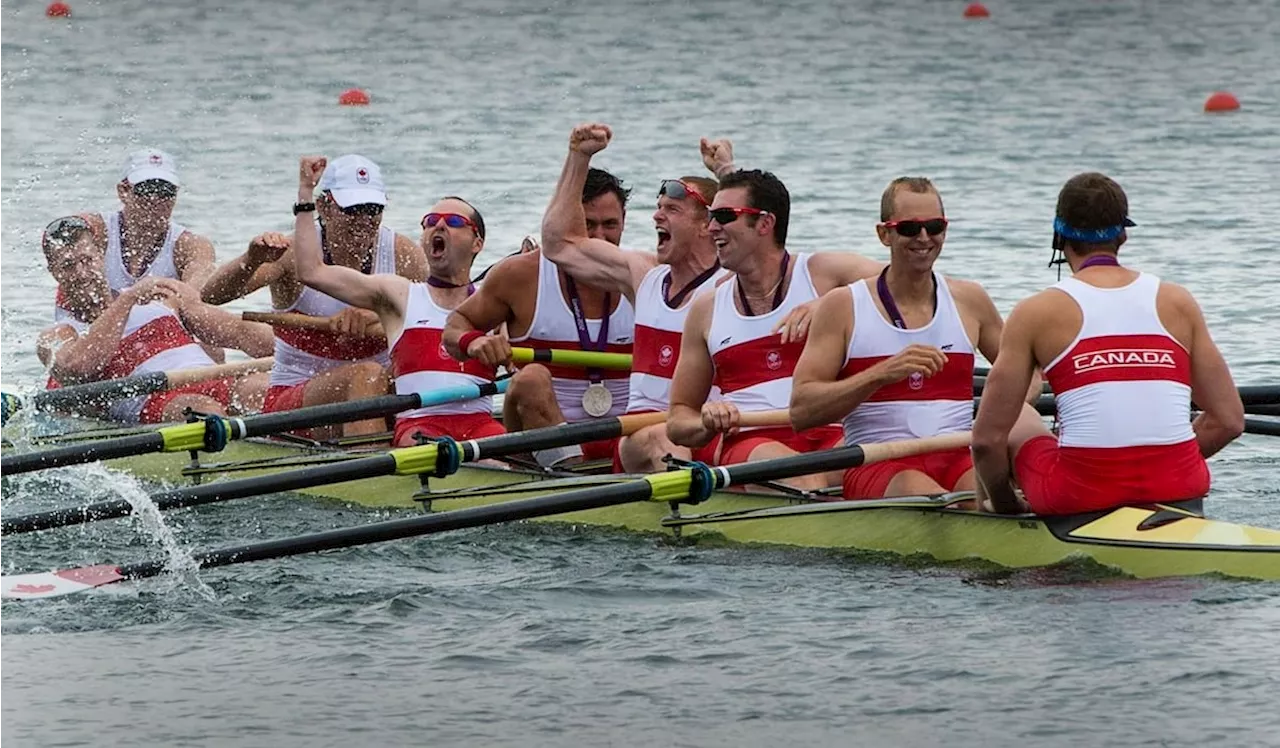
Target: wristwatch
column 303, row 208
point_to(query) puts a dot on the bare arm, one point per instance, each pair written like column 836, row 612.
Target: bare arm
column 818, row 395
column 1011, row 375
column 264, row 263
column 594, row 262
column 1212, row 388
column 691, row 383
column 834, row 269
column 411, row 261
column 990, row 327
column 83, row 358
column 213, row 326
column 193, row 255
column 489, row 306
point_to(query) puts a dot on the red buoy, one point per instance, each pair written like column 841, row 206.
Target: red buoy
column 58, row 9
column 976, row 10
column 1221, row 101
column 353, row 97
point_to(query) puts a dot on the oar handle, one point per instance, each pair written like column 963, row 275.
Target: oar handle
column 593, row 359
column 780, row 417
column 183, row 377
column 287, row 319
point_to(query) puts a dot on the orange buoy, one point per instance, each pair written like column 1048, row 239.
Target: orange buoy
column 976, row 10
column 1221, row 101
column 353, row 97
column 58, row 10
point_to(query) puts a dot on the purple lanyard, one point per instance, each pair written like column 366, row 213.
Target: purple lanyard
column 580, row 321
column 435, row 282
column 886, row 298
column 777, row 295
column 674, row 303
column 1097, row 260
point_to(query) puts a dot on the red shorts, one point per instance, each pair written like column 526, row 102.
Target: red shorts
column 283, row 397
column 602, row 449
column 731, row 450
column 463, row 427
column 1070, row 480
column 153, row 408
column 944, row 468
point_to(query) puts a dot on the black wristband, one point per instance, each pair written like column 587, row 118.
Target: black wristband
column 303, row 208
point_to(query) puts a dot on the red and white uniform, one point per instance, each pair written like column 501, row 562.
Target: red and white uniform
column 915, row 407
column 420, row 363
column 553, row 327
column 753, row 369
column 1123, row 389
column 153, row 339
column 657, row 347
column 301, row 355
column 162, row 266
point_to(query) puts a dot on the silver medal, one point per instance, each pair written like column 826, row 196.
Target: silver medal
column 597, row 400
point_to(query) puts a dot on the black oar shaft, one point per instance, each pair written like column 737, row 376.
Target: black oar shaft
column 208, row 494
column 74, row 397
column 75, row 454
column 796, row 465
column 458, row 519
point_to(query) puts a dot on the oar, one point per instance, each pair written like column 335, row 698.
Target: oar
column 689, row 484
column 620, row 361
column 442, row 458
column 95, row 393
column 212, row 434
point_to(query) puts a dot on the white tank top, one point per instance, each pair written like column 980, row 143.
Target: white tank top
column 659, row 329
column 1124, row 381
column 752, row 367
column 301, row 355
column 918, row 405
column 153, row 339
column 118, row 276
column 553, row 327
column 420, row 362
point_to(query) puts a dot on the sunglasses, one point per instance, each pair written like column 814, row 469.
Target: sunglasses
column 362, row 209
column 726, row 216
column 452, row 220
column 156, row 189
column 931, row 226
column 677, row 190
column 65, row 230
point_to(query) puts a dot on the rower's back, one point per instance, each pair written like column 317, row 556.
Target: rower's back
column 1123, row 386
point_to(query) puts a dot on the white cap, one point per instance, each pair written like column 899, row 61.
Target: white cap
column 150, row 163
column 354, row 180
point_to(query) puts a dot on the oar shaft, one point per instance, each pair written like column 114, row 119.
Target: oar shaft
column 207, row 494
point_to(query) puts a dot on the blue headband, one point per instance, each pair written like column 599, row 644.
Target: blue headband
column 1090, row 236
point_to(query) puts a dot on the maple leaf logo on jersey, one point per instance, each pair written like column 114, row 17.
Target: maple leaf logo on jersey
column 773, row 359
column 665, row 355
column 916, row 381
column 444, row 352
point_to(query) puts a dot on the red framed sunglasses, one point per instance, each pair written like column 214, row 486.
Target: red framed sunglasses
column 726, row 216
column 452, row 220
column 677, row 190
column 912, row 227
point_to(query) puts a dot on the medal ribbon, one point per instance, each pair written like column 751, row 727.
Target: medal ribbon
column 584, row 335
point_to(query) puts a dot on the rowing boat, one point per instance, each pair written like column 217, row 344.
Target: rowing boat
column 1143, row 541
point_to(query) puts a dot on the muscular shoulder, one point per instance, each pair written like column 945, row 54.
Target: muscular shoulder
column 411, row 261
column 1038, row 309
column 1178, row 296
column 969, row 293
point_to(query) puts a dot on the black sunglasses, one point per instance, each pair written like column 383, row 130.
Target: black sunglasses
column 156, row 188
column 726, row 216
column 931, row 226
column 65, row 230
column 362, row 209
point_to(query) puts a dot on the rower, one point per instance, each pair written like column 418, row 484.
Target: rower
column 348, row 361
column 546, row 308
column 140, row 239
column 660, row 286
column 731, row 337
column 896, row 362
column 412, row 314
column 151, row 325
column 1125, row 354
